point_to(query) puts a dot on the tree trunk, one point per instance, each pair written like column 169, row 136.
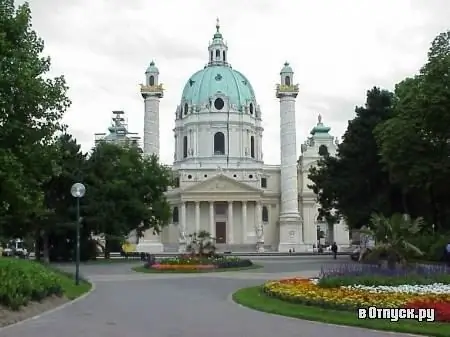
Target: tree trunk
column 46, row 247
column 107, row 250
column 37, row 245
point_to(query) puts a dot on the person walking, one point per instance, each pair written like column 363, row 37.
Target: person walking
column 334, row 249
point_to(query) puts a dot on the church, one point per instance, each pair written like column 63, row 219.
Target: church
column 222, row 183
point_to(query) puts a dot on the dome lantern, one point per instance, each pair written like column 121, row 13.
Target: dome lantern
column 217, row 48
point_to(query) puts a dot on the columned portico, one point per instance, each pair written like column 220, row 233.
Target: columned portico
column 229, row 210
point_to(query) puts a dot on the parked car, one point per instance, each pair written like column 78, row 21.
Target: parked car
column 15, row 248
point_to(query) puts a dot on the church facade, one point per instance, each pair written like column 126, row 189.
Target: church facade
column 222, row 183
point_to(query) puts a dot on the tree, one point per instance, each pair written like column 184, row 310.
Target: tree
column 201, row 244
column 354, row 184
column 59, row 224
column 31, row 108
column 126, row 191
column 392, row 237
column 414, row 144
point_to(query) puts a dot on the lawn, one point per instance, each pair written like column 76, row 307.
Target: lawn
column 254, row 298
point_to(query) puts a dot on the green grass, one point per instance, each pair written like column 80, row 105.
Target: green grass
column 254, row 298
column 108, row 261
column 142, row 269
column 70, row 289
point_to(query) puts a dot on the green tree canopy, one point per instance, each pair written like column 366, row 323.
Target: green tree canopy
column 31, row 107
column 125, row 191
column 353, row 184
column 414, row 144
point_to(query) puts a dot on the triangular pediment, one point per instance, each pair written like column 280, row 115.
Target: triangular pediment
column 221, row 184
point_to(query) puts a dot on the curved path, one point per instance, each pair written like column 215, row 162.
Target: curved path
column 174, row 305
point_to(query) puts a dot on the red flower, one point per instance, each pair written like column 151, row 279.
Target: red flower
column 442, row 309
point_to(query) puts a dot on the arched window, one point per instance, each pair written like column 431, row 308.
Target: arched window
column 287, row 80
column 211, row 56
column 265, row 214
column 250, row 108
column 224, row 56
column 219, row 143
column 175, row 215
column 186, row 108
column 217, row 54
column 323, row 150
column 252, row 146
column 185, row 147
column 151, row 80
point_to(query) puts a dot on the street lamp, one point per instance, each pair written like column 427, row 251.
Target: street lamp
column 77, row 190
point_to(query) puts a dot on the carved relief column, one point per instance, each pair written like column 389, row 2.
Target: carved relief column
column 244, row 221
column 197, row 216
column 230, row 222
column 212, row 228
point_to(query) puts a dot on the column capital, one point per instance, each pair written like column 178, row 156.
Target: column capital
column 230, row 202
column 197, row 203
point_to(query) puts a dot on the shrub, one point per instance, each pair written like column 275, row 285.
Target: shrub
column 232, row 262
column 22, row 281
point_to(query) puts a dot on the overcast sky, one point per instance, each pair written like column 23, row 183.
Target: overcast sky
column 338, row 50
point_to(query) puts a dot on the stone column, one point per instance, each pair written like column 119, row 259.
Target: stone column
column 244, row 221
column 197, row 216
column 230, row 222
column 259, row 228
column 182, row 229
column 212, row 228
column 341, row 234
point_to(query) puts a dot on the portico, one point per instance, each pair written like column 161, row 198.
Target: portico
column 233, row 212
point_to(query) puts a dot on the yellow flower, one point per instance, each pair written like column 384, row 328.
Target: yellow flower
column 305, row 291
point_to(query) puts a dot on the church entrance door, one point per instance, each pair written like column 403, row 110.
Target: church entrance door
column 221, row 232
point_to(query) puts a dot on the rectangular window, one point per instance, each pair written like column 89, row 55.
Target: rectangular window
column 263, row 182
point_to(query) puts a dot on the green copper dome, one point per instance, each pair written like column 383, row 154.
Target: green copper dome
column 320, row 129
column 152, row 68
column 286, row 69
column 218, row 79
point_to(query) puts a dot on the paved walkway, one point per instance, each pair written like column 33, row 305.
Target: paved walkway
column 174, row 305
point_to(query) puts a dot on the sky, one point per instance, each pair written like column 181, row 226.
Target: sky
column 338, row 50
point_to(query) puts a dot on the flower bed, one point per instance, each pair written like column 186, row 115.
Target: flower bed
column 193, row 262
column 342, row 292
column 186, row 267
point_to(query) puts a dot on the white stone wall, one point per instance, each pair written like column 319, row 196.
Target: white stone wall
column 200, row 127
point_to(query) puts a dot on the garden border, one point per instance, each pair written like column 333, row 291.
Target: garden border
column 145, row 270
column 254, row 298
column 72, row 301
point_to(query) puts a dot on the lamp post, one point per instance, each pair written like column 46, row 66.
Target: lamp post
column 78, row 190
column 432, row 226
